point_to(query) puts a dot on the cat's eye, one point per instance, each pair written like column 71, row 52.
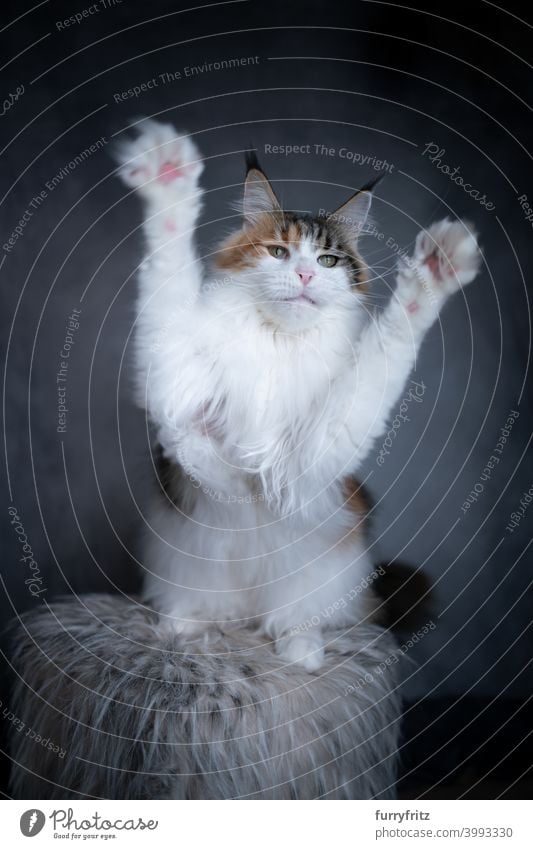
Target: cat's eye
column 328, row 260
column 277, row 251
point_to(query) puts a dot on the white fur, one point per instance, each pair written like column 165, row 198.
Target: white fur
column 268, row 405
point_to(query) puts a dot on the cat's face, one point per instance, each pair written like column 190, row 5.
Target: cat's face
column 297, row 268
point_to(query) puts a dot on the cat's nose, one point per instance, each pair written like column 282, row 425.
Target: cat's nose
column 305, row 276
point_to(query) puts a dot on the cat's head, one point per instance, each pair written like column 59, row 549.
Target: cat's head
column 297, row 268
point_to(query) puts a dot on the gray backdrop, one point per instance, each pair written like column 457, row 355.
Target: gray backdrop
column 370, row 78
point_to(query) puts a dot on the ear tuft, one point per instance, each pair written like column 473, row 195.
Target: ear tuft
column 251, row 160
column 354, row 213
column 371, row 185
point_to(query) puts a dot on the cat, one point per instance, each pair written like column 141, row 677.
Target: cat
column 267, row 380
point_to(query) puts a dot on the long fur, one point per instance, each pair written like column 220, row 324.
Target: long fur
column 267, row 382
column 143, row 714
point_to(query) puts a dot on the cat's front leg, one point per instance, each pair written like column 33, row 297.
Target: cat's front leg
column 446, row 258
column 163, row 166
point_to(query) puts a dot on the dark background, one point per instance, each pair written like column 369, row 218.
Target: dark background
column 380, row 80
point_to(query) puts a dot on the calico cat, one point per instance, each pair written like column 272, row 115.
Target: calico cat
column 268, row 380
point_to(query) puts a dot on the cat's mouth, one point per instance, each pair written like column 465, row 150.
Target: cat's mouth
column 300, row 299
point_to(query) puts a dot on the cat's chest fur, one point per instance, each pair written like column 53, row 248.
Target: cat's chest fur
column 263, row 397
column 248, row 408
column 275, row 387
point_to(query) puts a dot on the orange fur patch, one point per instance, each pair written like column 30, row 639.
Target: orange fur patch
column 362, row 276
column 357, row 500
column 240, row 250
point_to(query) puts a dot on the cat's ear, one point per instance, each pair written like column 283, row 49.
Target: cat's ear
column 259, row 195
column 354, row 213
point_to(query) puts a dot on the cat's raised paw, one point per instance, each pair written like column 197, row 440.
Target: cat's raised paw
column 449, row 251
column 446, row 257
column 159, row 160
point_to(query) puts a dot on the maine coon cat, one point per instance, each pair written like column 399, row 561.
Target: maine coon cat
column 268, row 380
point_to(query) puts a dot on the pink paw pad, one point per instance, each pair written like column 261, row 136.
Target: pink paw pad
column 170, row 225
column 433, row 264
column 168, row 172
column 413, row 307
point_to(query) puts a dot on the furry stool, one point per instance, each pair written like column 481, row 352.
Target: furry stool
column 116, row 706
